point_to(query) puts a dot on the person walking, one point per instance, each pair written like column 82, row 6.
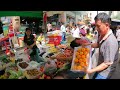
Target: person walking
column 63, row 30
column 108, row 51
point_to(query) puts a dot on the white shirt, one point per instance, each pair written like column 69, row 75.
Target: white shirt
column 118, row 34
column 72, row 31
column 62, row 28
column 49, row 26
column 76, row 32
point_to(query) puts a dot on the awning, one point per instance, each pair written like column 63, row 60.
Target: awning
column 38, row 14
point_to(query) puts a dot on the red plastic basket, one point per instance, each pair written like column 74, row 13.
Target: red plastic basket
column 54, row 40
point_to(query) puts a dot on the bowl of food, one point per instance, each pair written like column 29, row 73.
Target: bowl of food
column 23, row 65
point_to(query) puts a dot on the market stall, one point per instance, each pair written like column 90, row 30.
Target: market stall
column 57, row 59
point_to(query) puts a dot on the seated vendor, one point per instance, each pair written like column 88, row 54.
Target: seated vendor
column 76, row 42
column 41, row 38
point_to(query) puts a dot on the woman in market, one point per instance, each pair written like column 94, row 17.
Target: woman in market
column 79, row 40
column 41, row 38
column 30, row 42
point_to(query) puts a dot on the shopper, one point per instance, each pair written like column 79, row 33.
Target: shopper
column 68, row 29
column 75, row 31
column 108, row 48
column 41, row 38
column 30, row 42
column 118, row 36
column 49, row 27
column 78, row 41
column 63, row 30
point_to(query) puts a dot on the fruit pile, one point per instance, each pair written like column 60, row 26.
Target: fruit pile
column 23, row 65
column 33, row 72
column 80, row 62
column 61, row 46
column 59, row 64
column 43, row 76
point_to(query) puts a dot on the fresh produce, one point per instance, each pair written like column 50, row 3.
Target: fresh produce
column 52, row 50
column 44, row 77
column 41, row 68
column 50, row 45
column 60, row 64
column 80, row 62
column 14, row 75
column 33, row 72
column 18, row 60
column 3, row 77
column 65, row 66
column 61, row 46
column 23, row 65
column 50, row 67
column 64, row 57
column 5, row 60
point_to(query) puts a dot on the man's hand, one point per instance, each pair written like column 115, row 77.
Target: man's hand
column 86, row 44
column 101, row 67
column 108, row 63
column 89, row 71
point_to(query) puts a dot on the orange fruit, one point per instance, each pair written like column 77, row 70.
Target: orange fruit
column 81, row 53
column 79, row 67
column 85, row 53
column 82, row 64
column 75, row 67
column 83, row 56
column 83, row 49
column 87, row 50
column 76, row 60
column 77, row 53
column 79, row 49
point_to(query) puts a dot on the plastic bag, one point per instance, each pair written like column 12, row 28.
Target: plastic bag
column 50, row 67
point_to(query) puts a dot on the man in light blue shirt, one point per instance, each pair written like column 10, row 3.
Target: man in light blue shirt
column 63, row 30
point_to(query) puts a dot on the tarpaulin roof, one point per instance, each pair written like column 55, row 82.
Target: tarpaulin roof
column 38, row 14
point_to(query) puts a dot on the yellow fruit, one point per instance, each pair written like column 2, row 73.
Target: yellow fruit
column 81, row 53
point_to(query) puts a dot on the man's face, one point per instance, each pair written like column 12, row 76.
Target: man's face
column 101, row 27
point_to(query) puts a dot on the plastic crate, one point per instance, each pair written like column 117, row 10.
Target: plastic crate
column 54, row 40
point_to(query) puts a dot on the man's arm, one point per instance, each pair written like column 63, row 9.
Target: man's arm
column 101, row 67
column 93, row 45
